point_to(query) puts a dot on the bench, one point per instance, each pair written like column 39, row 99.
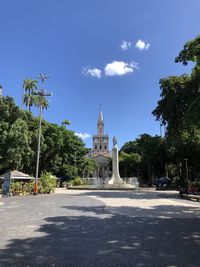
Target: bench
column 190, row 197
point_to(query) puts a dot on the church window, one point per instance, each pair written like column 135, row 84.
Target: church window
column 100, row 141
column 105, row 147
column 95, row 147
column 100, row 147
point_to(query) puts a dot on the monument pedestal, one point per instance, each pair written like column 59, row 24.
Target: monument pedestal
column 116, row 182
column 116, row 179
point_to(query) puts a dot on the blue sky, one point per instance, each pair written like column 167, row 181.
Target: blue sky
column 109, row 52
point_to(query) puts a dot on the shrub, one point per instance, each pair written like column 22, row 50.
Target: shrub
column 20, row 187
column 46, row 183
column 40, row 187
column 28, row 187
column 77, row 181
column 194, row 186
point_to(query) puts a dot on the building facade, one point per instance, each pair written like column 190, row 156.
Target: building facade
column 100, row 151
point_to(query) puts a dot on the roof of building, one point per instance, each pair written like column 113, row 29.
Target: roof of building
column 19, row 175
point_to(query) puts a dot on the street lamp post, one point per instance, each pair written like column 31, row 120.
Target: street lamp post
column 41, row 93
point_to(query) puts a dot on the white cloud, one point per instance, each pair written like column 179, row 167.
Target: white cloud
column 83, row 135
column 125, row 45
column 94, row 72
column 141, row 45
column 119, row 68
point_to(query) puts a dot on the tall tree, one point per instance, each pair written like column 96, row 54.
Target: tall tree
column 129, row 164
column 147, row 154
column 19, row 153
column 179, row 109
column 41, row 100
column 28, row 85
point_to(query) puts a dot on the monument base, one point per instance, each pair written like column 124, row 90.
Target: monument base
column 116, row 180
column 115, row 186
column 104, row 187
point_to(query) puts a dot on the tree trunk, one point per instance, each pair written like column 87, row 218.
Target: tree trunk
column 29, row 94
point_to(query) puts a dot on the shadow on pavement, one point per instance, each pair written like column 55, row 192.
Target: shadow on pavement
column 97, row 237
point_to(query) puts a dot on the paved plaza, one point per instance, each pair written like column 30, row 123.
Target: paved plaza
column 100, row 228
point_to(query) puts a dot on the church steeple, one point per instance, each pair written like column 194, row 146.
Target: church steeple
column 100, row 140
column 100, row 115
column 100, row 124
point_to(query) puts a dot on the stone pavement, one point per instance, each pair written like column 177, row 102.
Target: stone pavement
column 100, row 228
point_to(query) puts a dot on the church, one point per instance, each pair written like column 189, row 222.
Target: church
column 100, row 151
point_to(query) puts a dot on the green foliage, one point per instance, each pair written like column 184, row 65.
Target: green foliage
column 62, row 152
column 88, row 166
column 195, row 185
column 174, row 101
column 77, row 181
column 179, row 110
column 47, row 183
column 20, row 151
column 130, row 147
column 129, row 164
column 190, row 52
column 65, row 122
column 145, row 156
column 41, row 100
column 29, row 99
column 21, row 188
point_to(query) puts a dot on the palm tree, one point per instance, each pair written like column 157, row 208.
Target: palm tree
column 89, row 166
column 29, row 101
column 41, row 100
column 1, row 90
column 65, row 122
column 28, row 85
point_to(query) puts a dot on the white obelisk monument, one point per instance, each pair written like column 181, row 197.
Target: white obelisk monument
column 115, row 179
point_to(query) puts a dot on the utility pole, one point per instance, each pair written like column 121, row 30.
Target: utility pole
column 41, row 93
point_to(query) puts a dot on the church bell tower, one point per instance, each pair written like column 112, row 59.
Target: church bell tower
column 100, row 141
